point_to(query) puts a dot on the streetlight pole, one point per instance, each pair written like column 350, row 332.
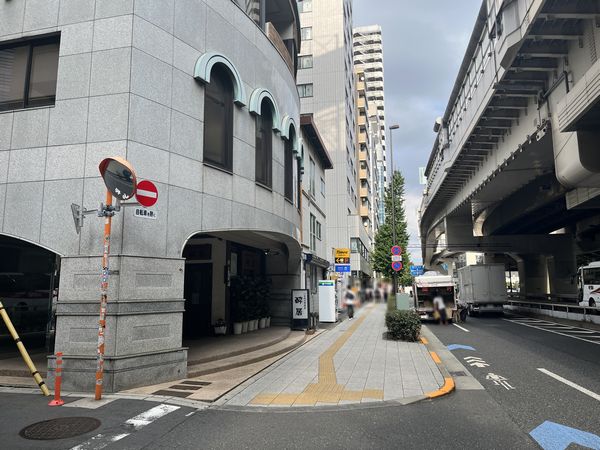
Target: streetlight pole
column 392, row 128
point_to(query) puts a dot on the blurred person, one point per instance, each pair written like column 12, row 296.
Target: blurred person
column 350, row 298
column 440, row 307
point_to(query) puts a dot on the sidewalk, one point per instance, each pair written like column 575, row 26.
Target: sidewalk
column 350, row 364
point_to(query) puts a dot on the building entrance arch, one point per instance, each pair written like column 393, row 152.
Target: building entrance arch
column 28, row 290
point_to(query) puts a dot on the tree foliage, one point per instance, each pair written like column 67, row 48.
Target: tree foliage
column 384, row 238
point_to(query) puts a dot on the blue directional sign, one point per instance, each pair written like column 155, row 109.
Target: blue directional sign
column 416, row 271
column 460, row 347
column 554, row 436
column 342, row 268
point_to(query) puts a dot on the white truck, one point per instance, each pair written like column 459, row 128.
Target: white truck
column 425, row 288
column 482, row 288
column 588, row 284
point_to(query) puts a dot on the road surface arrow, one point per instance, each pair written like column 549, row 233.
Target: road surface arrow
column 553, row 436
column 460, row 347
column 479, row 364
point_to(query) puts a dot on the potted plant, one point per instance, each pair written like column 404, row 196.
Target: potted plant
column 263, row 313
column 220, row 327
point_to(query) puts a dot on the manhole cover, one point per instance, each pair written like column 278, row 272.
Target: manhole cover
column 62, row 428
column 458, row 374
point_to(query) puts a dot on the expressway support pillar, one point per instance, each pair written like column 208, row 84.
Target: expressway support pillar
column 533, row 275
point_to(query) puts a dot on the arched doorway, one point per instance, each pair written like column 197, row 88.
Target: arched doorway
column 28, row 291
column 215, row 265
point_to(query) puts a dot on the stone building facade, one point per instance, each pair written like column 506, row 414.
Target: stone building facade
column 200, row 97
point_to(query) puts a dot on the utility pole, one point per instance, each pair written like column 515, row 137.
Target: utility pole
column 392, row 128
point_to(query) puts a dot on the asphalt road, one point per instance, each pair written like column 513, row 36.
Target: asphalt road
column 495, row 418
column 461, row 420
column 516, row 349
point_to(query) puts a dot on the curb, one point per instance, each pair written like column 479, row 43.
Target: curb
column 449, row 384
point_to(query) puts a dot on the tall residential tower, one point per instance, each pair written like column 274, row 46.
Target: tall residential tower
column 368, row 58
column 327, row 90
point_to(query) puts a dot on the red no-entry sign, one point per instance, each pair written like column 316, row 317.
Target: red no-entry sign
column 146, row 193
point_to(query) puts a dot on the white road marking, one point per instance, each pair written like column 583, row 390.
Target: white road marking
column 147, row 417
column 189, row 414
column 551, row 331
column 570, row 383
column 462, row 328
column 141, row 420
column 89, row 403
column 100, row 441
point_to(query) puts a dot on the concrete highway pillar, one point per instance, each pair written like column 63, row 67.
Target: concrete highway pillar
column 561, row 270
column 533, row 275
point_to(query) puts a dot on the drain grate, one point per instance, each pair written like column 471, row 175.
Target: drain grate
column 458, row 374
column 65, row 427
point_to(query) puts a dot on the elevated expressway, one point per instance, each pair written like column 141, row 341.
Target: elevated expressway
column 515, row 168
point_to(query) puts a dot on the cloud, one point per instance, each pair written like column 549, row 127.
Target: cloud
column 424, row 44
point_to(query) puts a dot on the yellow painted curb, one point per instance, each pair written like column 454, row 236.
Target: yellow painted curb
column 449, row 385
column 444, row 390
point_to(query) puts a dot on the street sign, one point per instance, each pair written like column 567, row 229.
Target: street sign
column 396, row 258
column 342, row 260
column 416, row 271
column 342, row 253
column 397, row 266
column 146, row 193
column 342, row 268
column 396, row 250
column 119, row 177
column 145, row 213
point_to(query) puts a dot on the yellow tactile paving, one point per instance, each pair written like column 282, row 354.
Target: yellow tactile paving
column 372, row 394
column 326, row 390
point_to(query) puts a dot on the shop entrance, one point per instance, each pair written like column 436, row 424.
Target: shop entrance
column 198, row 300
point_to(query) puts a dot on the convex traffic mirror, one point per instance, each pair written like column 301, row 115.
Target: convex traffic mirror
column 119, row 177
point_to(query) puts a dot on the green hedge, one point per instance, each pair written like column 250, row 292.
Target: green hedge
column 403, row 325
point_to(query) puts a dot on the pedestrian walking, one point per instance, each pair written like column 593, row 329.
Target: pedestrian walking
column 440, row 307
column 350, row 302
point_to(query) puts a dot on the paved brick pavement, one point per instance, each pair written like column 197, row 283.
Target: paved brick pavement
column 349, row 364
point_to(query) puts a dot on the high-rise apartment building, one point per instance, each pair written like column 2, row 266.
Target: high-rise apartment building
column 368, row 58
column 327, row 91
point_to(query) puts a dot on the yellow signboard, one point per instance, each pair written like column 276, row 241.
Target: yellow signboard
column 342, row 253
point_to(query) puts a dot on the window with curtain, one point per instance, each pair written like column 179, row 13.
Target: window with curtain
column 289, row 167
column 264, row 146
column 218, row 120
column 28, row 73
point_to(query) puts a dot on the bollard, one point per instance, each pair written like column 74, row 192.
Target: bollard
column 34, row 372
column 57, row 381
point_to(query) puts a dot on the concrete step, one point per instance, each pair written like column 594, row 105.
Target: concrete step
column 241, row 351
column 294, row 340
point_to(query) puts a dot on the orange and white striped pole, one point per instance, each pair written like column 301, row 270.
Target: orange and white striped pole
column 57, row 381
column 103, row 297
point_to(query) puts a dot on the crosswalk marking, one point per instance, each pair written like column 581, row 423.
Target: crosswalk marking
column 134, row 424
column 581, row 334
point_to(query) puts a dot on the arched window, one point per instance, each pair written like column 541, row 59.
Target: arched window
column 264, row 145
column 289, row 165
column 218, row 119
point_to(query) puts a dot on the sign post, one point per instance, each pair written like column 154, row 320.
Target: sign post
column 119, row 178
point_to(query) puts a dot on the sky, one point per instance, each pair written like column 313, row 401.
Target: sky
column 423, row 46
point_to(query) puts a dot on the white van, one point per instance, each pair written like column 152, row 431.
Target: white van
column 588, row 284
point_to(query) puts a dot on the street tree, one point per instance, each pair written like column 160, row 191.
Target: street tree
column 384, row 241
